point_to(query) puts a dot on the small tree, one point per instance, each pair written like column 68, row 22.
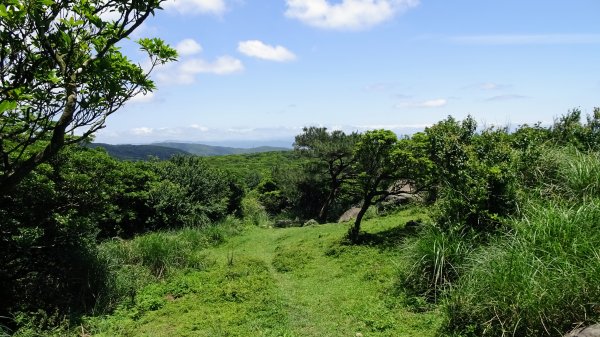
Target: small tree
column 383, row 166
column 333, row 153
column 475, row 173
column 62, row 73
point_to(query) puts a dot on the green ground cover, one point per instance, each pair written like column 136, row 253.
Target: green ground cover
column 282, row 282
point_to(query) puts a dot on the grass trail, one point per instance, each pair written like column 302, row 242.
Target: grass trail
column 286, row 282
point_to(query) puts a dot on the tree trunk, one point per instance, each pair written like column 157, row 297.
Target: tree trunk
column 355, row 229
column 325, row 208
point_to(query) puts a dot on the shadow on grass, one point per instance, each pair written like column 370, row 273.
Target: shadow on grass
column 389, row 238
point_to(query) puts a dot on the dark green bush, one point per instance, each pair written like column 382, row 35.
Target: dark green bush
column 191, row 193
column 476, row 176
column 48, row 256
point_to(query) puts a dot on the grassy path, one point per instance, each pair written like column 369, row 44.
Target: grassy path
column 289, row 282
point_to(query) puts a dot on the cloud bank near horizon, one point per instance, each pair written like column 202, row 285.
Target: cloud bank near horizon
column 199, row 133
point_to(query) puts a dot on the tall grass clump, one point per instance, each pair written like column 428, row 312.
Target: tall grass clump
column 538, row 281
column 151, row 257
column 581, row 175
column 4, row 331
column 563, row 174
column 437, row 257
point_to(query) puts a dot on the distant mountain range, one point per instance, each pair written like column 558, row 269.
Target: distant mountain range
column 211, row 150
column 170, row 149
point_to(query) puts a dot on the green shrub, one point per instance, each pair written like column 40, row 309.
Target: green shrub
column 476, row 176
column 48, row 254
column 564, row 175
column 191, row 193
column 581, row 176
column 253, row 212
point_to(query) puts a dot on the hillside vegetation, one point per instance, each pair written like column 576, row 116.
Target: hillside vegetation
column 211, row 150
column 139, row 152
column 459, row 231
column 167, row 150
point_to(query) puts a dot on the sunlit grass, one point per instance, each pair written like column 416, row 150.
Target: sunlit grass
column 282, row 282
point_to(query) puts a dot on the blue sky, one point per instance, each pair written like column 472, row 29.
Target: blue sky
column 260, row 70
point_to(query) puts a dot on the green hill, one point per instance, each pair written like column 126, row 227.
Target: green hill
column 139, row 152
column 209, row 150
column 167, row 150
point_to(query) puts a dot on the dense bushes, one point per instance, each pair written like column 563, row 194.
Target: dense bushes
column 475, row 176
column 513, row 248
column 51, row 223
column 48, row 257
column 188, row 192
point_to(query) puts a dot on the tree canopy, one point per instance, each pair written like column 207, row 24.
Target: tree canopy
column 332, row 152
column 62, row 73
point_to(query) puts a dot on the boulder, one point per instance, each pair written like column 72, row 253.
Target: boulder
column 311, row 222
column 589, row 331
column 283, row 223
column 349, row 214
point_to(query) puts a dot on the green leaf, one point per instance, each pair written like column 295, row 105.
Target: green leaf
column 66, row 38
column 7, row 105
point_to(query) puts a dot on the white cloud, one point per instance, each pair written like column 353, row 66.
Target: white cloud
column 258, row 49
column 110, row 16
column 279, row 136
column 199, row 127
column 216, row 7
column 527, row 39
column 347, row 14
column 143, row 131
column 176, row 77
column 186, row 71
column 489, row 86
column 505, row 97
column 142, row 98
column 188, row 47
column 433, row 103
column 222, row 66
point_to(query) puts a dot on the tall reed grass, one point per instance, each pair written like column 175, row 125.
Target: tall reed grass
column 151, row 257
column 438, row 257
column 540, row 280
column 540, row 274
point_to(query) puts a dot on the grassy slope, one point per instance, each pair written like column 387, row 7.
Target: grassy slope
column 284, row 282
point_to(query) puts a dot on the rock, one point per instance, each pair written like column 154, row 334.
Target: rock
column 398, row 199
column 283, row 223
column 311, row 222
column 590, row 331
column 349, row 214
